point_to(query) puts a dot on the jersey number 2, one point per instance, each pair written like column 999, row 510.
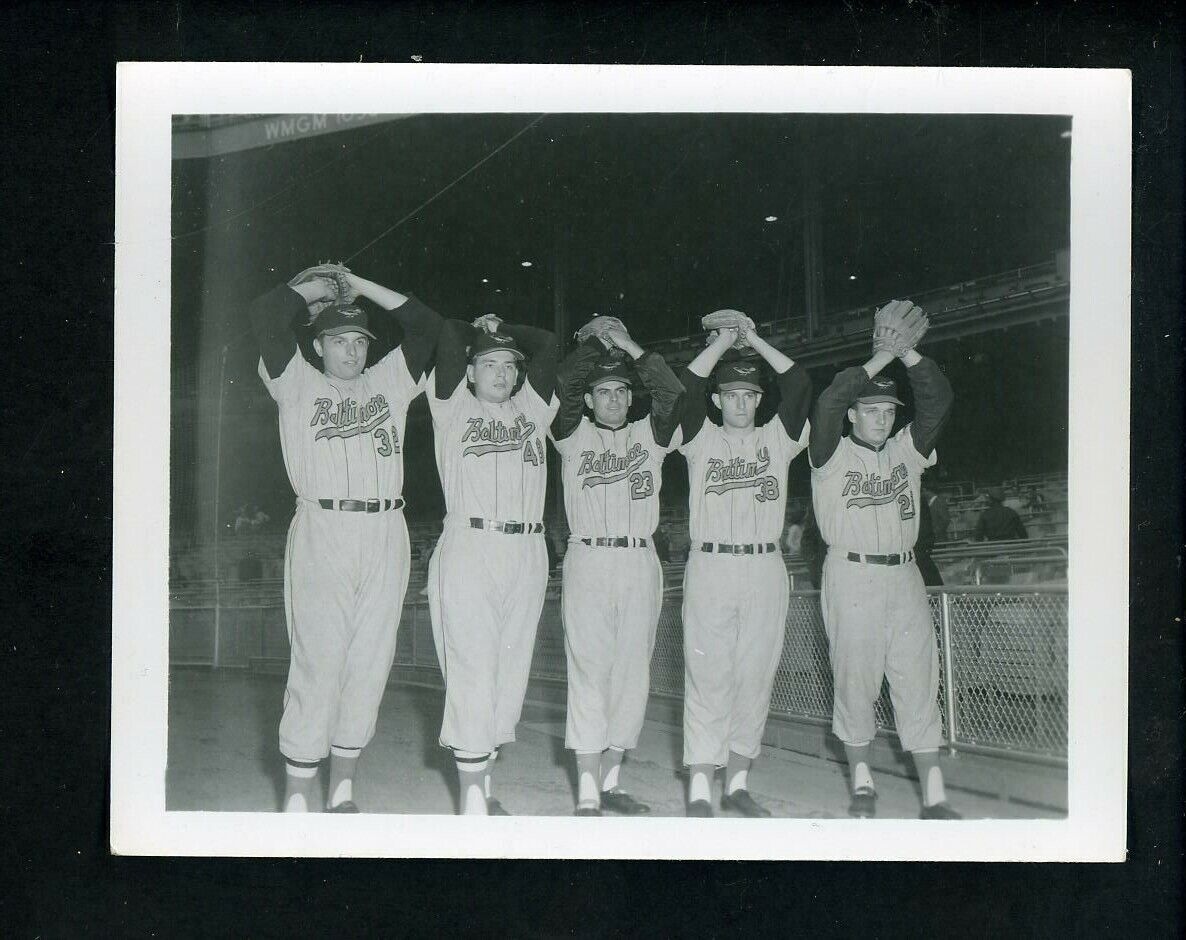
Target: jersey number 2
column 642, row 484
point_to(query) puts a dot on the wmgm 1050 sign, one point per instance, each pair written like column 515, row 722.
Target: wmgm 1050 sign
column 263, row 130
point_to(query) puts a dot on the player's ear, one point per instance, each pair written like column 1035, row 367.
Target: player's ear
column 469, row 373
column 317, row 347
column 716, row 400
column 852, row 415
column 588, row 401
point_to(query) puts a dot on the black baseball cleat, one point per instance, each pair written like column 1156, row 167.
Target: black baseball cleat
column 621, row 802
column 494, row 808
column 346, row 806
column 742, row 802
column 864, row 803
column 939, row 811
column 700, row 808
column 587, row 809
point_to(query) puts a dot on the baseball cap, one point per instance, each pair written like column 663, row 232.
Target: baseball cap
column 731, row 375
column 346, row 318
column 879, row 388
column 489, row 342
column 611, row 367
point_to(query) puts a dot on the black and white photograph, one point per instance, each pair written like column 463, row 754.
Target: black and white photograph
column 619, row 449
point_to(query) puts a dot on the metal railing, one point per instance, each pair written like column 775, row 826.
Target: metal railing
column 1003, row 656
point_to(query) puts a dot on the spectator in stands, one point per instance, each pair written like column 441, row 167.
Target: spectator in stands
column 792, row 540
column 259, row 518
column 242, row 520
column 1035, row 502
column 939, row 513
column 1013, row 501
column 998, row 522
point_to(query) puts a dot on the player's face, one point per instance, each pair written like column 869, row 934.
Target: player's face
column 873, row 422
column 493, row 375
column 739, row 407
column 610, row 402
column 343, row 355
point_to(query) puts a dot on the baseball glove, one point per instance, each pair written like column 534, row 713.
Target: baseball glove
column 598, row 327
column 488, row 322
column 728, row 320
column 335, row 277
column 898, row 327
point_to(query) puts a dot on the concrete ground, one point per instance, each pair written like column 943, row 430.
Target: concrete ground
column 223, row 756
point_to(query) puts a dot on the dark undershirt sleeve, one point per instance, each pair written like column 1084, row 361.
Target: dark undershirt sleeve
column 271, row 318
column 452, row 342
column 570, row 387
column 666, row 395
column 695, row 408
column 421, row 327
column 544, row 354
column 827, row 420
column 933, row 399
column 794, row 386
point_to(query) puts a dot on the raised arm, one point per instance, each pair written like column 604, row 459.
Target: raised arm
column 570, row 387
column 272, row 316
column 421, row 324
column 794, row 385
column 694, row 378
column 665, row 389
column 541, row 349
column 452, row 343
column 827, row 420
column 933, row 399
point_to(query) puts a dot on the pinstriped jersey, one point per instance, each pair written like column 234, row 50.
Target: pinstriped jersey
column 612, row 479
column 491, row 457
column 737, row 486
column 866, row 500
column 343, row 439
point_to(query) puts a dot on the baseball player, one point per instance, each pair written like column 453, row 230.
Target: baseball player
column 865, row 489
column 613, row 584
column 346, row 562
column 489, row 571
column 735, row 583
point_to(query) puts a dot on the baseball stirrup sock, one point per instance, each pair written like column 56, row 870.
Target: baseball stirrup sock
column 858, row 765
column 611, row 763
column 299, row 783
column 701, row 787
column 930, row 777
column 487, row 779
column 471, row 770
column 736, row 773
column 587, row 772
column 341, row 775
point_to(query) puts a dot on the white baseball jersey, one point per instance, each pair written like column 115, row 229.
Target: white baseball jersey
column 491, row 457
column 343, row 439
column 866, row 500
column 612, row 479
column 737, row 486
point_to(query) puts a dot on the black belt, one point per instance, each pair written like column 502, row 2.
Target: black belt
column 623, row 541
column 507, row 528
column 758, row 549
column 882, row 559
column 361, row 505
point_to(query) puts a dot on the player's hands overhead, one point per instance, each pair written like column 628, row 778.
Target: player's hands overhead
column 621, row 339
column 488, row 322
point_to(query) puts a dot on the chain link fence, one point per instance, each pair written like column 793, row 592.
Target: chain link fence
column 1003, row 655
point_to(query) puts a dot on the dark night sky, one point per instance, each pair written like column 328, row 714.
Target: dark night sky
column 656, row 218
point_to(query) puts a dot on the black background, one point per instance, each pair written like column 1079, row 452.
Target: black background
column 59, row 879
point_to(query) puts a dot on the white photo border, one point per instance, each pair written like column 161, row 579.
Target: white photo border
column 1099, row 103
